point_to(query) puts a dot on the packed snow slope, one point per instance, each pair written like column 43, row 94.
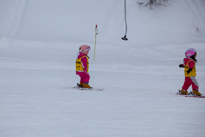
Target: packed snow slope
column 39, row 41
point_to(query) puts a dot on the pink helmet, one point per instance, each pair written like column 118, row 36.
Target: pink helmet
column 190, row 52
column 84, row 49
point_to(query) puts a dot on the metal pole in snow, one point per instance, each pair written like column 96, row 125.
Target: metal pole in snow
column 125, row 38
column 96, row 32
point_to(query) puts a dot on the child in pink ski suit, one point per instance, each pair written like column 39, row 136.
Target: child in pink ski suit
column 190, row 72
column 82, row 66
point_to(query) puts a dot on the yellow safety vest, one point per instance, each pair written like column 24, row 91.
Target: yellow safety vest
column 79, row 66
column 186, row 68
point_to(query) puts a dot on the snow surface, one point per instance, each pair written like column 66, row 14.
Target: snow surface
column 39, row 41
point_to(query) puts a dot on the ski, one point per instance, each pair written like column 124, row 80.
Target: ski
column 96, row 89
column 192, row 95
column 196, row 96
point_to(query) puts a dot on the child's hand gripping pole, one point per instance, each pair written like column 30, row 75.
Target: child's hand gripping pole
column 96, row 33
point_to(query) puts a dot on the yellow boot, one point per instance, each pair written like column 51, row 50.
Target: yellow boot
column 196, row 93
column 85, row 85
column 81, row 84
column 184, row 92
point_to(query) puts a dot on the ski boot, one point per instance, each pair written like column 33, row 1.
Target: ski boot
column 196, row 92
column 85, row 85
column 184, row 92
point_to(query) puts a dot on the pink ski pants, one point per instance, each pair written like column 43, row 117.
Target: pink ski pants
column 190, row 81
column 84, row 77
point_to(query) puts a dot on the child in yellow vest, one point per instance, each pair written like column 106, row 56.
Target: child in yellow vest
column 190, row 72
column 82, row 66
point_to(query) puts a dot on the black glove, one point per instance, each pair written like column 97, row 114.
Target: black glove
column 181, row 65
column 190, row 69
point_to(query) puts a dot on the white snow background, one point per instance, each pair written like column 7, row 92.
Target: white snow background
column 39, row 40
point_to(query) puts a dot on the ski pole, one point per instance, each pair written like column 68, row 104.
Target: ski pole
column 96, row 33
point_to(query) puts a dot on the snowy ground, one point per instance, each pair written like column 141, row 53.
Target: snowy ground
column 140, row 78
column 139, row 99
